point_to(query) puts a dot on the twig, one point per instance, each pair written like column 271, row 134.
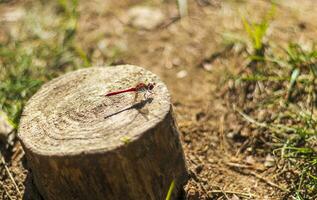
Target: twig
column 245, row 172
column 251, row 120
column 277, row 129
column 225, row 194
column 233, row 192
column 221, row 131
column 231, row 164
column 245, row 143
column 268, row 182
column 10, row 175
column 169, row 22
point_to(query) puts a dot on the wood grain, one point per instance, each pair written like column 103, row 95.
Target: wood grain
column 81, row 144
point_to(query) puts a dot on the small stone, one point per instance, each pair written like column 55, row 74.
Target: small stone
column 187, row 139
column 182, row 74
column 250, row 160
column 262, row 115
column 145, row 17
column 210, row 160
column 5, row 127
column 207, row 66
column 231, row 134
column 245, row 132
column 192, row 194
column 269, row 161
column 176, row 61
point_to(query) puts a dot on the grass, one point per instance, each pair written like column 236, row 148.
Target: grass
column 34, row 57
column 182, row 7
column 288, row 82
column 40, row 46
column 257, row 31
column 302, row 62
column 170, row 191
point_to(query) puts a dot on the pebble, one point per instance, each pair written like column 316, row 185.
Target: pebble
column 250, row 160
column 269, row 161
column 145, row 17
column 5, row 127
column 262, row 114
column 192, row 194
column 182, row 74
column 208, row 66
column 245, row 132
column 231, row 134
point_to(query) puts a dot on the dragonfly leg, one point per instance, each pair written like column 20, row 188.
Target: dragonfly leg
column 135, row 97
column 149, row 93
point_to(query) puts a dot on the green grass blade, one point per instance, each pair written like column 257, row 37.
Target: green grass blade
column 294, row 77
column 183, row 7
column 170, row 191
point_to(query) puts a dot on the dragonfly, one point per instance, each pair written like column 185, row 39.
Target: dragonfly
column 139, row 88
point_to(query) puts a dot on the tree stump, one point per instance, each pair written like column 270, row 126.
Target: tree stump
column 81, row 144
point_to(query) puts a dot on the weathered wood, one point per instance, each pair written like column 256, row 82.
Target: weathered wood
column 82, row 145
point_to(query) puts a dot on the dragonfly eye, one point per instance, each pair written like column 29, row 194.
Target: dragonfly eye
column 151, row 86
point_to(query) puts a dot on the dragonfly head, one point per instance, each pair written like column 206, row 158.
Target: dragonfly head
column 150, row 86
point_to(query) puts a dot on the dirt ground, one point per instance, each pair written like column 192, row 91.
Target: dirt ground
column 194, row 58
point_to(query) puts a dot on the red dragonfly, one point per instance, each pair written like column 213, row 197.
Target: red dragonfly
column 140, row 87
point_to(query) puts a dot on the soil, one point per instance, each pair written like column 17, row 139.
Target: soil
column 192, row 57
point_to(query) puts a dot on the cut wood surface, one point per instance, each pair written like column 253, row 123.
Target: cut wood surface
column 81, row 144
